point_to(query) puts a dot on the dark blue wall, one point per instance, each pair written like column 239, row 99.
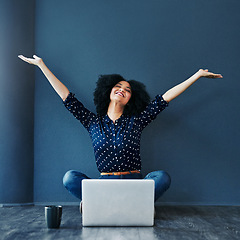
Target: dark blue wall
column 160, row 43
column 16, row 101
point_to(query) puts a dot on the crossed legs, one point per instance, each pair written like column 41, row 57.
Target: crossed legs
column 72, row 181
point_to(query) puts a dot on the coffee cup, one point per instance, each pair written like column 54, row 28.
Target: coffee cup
column 53, row 216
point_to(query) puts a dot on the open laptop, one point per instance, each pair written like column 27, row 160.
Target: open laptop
column 117, row 202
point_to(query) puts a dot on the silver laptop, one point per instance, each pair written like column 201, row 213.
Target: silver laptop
column 117, row 202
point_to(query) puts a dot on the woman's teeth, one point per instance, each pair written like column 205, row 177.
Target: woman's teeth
column 120, row 94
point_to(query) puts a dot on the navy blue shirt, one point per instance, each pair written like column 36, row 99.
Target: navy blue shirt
column 116, row 145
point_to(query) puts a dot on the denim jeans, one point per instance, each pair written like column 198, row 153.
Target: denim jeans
column 72, row 181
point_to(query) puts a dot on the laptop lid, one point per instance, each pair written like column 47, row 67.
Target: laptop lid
column 117, row 202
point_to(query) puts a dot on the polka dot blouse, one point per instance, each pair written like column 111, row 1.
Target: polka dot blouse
column 116, row 145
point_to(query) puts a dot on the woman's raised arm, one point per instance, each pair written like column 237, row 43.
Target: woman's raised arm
column 180, row 88
column 58, row 86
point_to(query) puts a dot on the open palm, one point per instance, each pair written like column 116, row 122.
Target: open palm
column 207, row 74
column 35, row 60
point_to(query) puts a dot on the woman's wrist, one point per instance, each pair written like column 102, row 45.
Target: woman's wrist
column 41, row 64
column 199, row 73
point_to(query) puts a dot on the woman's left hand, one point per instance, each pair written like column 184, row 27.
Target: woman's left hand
column 207, row 74
column 180, row 88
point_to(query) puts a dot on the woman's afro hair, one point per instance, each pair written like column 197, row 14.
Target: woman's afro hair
column 137, row 103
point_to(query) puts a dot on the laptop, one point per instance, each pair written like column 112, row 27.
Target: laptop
column 117, row 202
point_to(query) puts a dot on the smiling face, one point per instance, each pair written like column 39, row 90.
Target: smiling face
column 121, row 93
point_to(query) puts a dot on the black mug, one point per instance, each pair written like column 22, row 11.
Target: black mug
column 53, row 216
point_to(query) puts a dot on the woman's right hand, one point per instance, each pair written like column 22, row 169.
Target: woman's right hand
column 35, row 60
column 59, row 87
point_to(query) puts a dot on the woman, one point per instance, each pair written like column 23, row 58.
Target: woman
column 123, row 112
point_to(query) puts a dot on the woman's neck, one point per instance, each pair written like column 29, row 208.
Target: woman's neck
column 115, row 111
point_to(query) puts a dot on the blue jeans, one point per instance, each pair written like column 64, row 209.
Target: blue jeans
column 72, row 181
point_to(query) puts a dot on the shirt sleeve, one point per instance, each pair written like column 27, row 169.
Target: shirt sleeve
column 79, row 111
column 152, row 110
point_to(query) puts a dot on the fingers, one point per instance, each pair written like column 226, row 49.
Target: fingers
column 216, row 75
column 208, row 74
column 213, row 75
column 24, row 58
column 21, row 56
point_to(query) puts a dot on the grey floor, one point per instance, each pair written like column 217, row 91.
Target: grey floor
column 171, row 222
